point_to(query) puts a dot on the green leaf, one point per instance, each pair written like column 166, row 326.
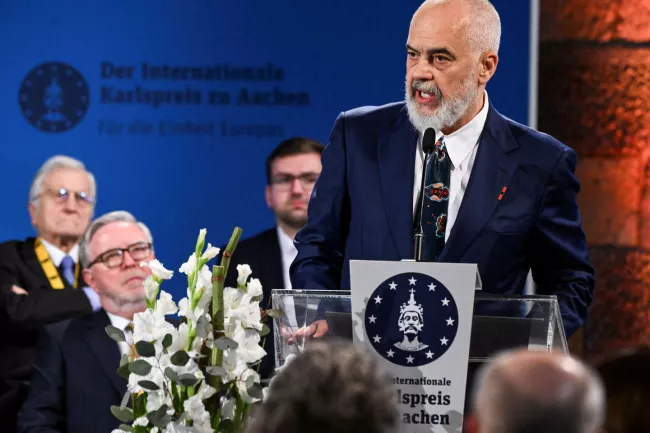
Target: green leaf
column 276, row 314
column 115, row 333
column 156, row 415
column 216, row 371
column 148, row 385
column 140, row 367
column 140, row 405
column 180, row 358
column 171, row 374
column 126, row 427
column 124, row 371
column 124, row 360
column 167, row 341
column 265, row 330
column 163, row 422
column 255, row 391
column 187, row 380
column 125, row 399
column 124, row 414
column 145, row 349
column 250, row 381
column 224, row 343
column 202, row 327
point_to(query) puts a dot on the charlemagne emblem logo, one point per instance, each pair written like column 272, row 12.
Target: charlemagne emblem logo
column 411, row 319
column 54, row 97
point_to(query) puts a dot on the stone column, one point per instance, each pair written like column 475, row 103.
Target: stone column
column 594, row 95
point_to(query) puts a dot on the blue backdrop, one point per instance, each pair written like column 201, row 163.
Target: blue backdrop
column 174, row 106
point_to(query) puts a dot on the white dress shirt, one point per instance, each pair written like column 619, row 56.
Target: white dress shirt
column 56, row 255
column 121, row 323
column 289, row 253
column 461, row 148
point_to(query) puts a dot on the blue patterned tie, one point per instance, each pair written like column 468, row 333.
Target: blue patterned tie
column 67, row 268
column 436, row 202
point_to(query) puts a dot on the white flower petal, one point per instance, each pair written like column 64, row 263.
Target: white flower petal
column 189, row 267
column 254, row 288
column 158, row 270
column 165, row 304
column 243, row 272
column 150, row 287
column 142, row 421
column 210, row 252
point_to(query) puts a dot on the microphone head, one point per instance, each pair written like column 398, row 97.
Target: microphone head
column 429, row 140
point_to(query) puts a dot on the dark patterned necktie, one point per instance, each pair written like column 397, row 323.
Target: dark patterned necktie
column 436, row 202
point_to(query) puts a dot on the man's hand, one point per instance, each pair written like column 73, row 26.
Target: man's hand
column 315, row 330
column 19, row 290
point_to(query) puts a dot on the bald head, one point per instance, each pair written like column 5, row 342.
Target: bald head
column 478, row 18
column 535, row 392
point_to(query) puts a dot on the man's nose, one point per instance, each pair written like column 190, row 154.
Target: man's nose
column 297, row 188
column 423, row 70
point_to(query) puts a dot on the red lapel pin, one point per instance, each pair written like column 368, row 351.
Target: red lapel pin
column 503, row 191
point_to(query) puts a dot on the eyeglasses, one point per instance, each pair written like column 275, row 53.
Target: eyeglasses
column 115, row 258
column 62, row 195
column 286, row 180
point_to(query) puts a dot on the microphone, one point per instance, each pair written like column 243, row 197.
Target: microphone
column 428, row 145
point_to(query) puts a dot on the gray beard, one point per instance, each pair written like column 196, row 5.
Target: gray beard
column 448, row 113
column 127, row 302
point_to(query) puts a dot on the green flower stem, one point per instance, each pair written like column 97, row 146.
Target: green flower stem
column 218, row 276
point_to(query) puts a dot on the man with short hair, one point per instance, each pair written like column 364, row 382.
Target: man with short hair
column 488, row 191
column 332, row 387
column 41, row 278
column 291, row 171
column 75, row 380
column 536, row 392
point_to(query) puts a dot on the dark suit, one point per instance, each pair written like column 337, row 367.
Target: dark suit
column 75, row 379
column 362, row 208
column 22, row 315
column 262, row 252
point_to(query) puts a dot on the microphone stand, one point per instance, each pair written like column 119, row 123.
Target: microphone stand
column 419, row 234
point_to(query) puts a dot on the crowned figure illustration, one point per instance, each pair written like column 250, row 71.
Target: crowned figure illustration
column 410, row 323
column 53, row 101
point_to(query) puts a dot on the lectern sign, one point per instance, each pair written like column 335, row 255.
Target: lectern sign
column 417, row 318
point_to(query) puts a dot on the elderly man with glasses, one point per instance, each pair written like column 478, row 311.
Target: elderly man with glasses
column 75, row 378
column 41, row 278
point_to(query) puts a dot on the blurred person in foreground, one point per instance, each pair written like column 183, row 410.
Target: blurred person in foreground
column 331, row 387
column 524, row 391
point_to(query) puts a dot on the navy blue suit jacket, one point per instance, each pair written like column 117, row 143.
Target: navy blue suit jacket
column 75, row 379
column 362, row 208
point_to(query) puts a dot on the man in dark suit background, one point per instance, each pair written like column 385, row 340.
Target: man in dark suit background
column 497, row 193
column 75, row 379
column 291, row 171
column 40, row 278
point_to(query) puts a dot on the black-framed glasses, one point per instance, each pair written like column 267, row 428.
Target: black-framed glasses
column 62, row 195
column 115, row 257
column 286, row 180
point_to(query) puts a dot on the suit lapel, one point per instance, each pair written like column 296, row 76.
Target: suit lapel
column 105, row 350
column 31, row 261
column 491, row 172
column 396, row 156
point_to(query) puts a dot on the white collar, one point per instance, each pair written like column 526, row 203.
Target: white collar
column 56, row 255
column 460, row 143
column 286, row 243
column 118, row 321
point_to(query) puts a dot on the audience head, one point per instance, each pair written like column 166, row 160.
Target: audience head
column 452, row 52
column 331, row 387
column 62, row 200
column 626, row 376
column 291, row 171
column 536, row 392
column 111, row 252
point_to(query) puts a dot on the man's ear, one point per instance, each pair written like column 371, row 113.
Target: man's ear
column 487, row 67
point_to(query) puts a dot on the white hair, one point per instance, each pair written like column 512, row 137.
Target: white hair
column 54, row 163
column 111, row 217
column 483, row 27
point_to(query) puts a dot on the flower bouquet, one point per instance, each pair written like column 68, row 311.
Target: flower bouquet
column 199, row 376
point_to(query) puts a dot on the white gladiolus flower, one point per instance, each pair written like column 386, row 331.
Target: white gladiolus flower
column 241, row 385
column 204, row 279
column 184, row 310
column 158, row 270
column 248, row 349
column 243, row 272
column 165, row 304
column 142, row 421
column 150, row 287
column 195, row 410
column 227, row 408
column 206, row 391
column 247, row 312
column 189, row 267
column 177, row 428
column 150, row 326
column 155, row 375
column 117, row 430
column 254, row 288
column 210, row 252
column 155, row 400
